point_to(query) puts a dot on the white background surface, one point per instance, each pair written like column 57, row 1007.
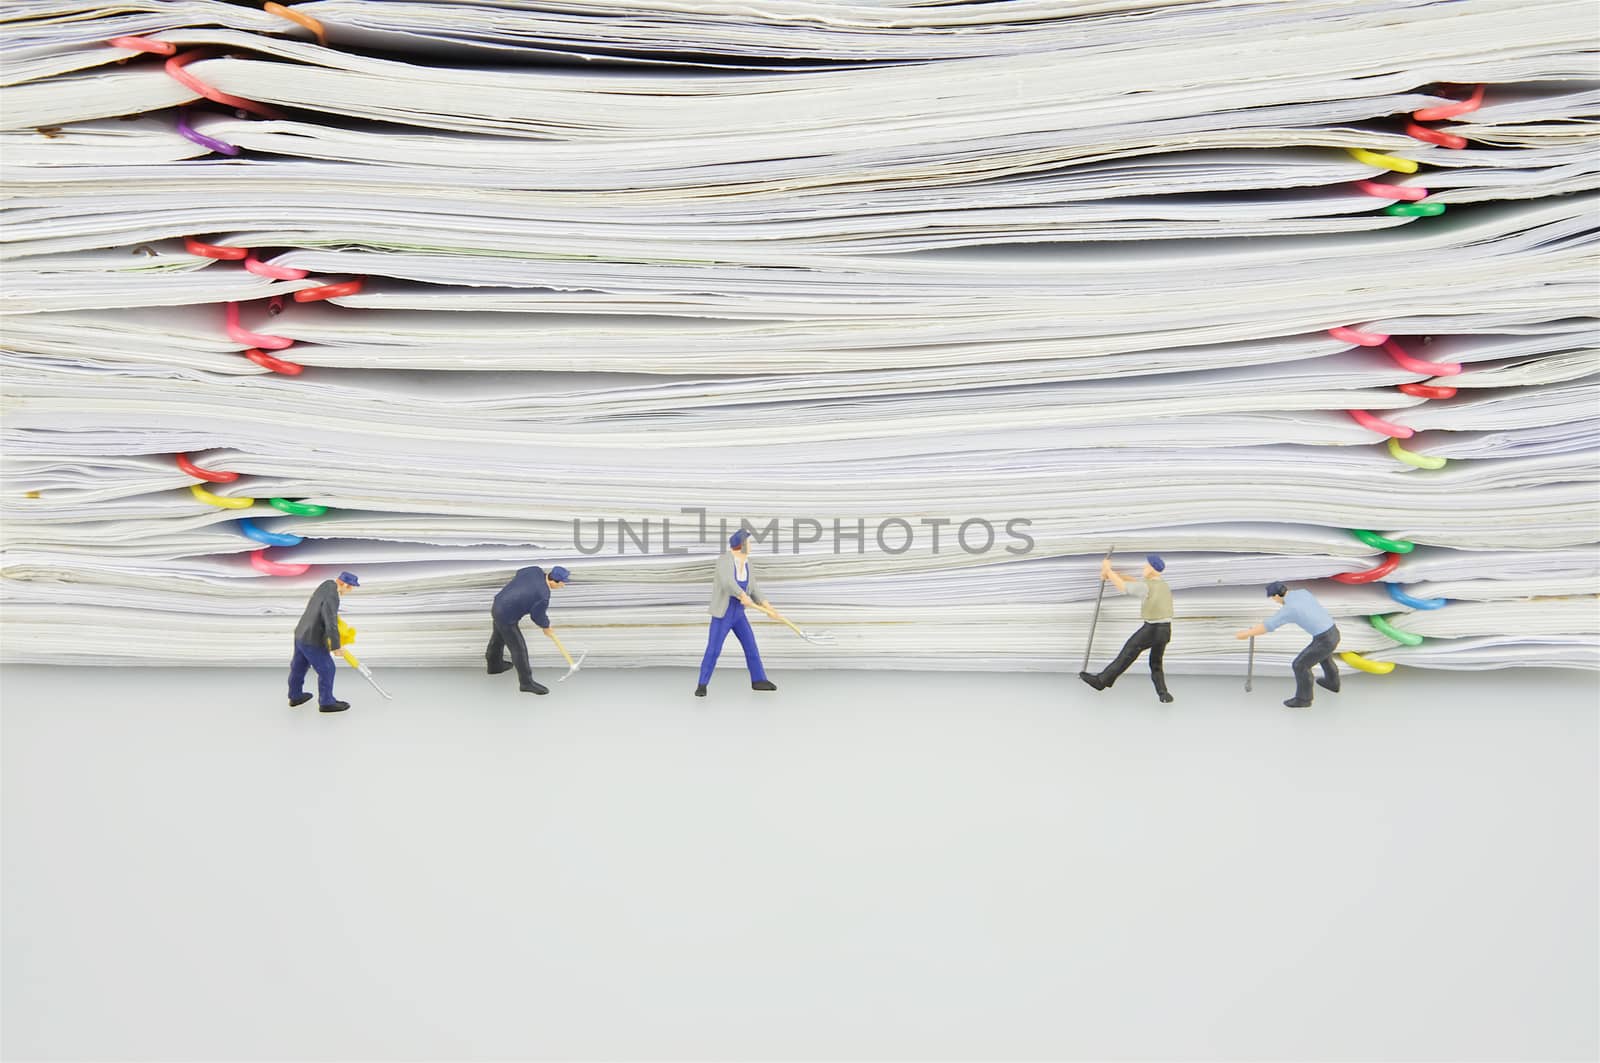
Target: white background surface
column 863, row 866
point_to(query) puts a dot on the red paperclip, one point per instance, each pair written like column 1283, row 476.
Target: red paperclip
column 1450, row 110
column 1371, row 575
column 277, row 365
column 175, row 67
column 1357, row 337
column 1366, row 420
column 189, row 468
column 328, row 291
column 1383, row 191
column 259, row 559
column 1428, row 391
column 277, row 273
column 240, row 334
column 143, row 44
column 1435, row 136
column 1417, row 365
column 204, row 250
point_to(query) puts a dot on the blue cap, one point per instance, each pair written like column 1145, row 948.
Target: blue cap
column 1276, row 589
column 738, row 538
column 1155, row 562
column 560, row 574
column 350, row 578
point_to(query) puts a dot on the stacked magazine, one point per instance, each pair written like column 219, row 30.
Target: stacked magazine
column 942, row 301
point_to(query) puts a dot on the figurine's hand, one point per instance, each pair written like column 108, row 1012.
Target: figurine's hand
column 1242, row 634
column 1105, row 568
column 747, row 601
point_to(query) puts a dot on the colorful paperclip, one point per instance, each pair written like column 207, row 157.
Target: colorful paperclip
column 143, row 44
column 189, row 468
column 263, row 563
column 294, row 16
column 175, row 68
column 189, row 132
column 220, row 501
column 239, row 334
column 1361, row 664
column 251, row 530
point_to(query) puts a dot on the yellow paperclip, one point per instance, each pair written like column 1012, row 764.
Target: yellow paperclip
column 1360, row 663
column 218, row 500
column 1420, row 461
column 1387, row 162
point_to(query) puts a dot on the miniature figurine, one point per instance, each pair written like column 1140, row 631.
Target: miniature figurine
column 1156, row 610
column 1301, row 608
column 316, row 638
column 733, row 589
column 528, row 594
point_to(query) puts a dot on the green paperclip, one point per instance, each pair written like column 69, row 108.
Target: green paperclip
column 1378, row 542
column 299, row 509
column 1405, row 638
column 1414, row 210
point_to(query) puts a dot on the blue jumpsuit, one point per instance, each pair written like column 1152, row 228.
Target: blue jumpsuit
column 735, row 621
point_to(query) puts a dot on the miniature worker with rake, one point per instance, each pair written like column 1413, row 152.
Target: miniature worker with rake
column 733, row 589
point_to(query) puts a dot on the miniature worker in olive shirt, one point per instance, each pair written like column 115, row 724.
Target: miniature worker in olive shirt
column 1156, row 609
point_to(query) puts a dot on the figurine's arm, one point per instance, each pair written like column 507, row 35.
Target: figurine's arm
column 1107, row 572
column 330, row 620
column 1250, row 633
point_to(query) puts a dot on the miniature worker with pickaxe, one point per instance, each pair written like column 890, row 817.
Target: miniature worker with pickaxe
column 314, row 637
column 528, row 594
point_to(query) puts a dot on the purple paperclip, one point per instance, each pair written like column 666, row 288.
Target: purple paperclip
column 210, row 143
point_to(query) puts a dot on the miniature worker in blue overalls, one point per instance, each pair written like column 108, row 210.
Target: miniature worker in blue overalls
column 528, row 594
column 733, row 589
column 1301, row 608
column 315, row 637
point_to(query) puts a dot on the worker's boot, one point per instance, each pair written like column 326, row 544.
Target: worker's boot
column 334, row 706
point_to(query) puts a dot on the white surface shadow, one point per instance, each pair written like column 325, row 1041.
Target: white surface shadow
column 861, row 866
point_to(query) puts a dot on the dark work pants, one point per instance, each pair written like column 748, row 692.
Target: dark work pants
column 1319, row 651
column 308, row 656
column 508, row 634
column 1153, row 637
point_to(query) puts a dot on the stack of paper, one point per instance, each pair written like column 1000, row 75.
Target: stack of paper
column 943, row 301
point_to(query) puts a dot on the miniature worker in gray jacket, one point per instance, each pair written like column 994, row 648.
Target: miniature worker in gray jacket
column 733, row 589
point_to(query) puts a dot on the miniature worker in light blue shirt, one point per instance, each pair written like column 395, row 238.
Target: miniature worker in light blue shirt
column 1301, row 608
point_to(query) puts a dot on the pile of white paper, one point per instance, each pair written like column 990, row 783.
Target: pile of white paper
column 942, row 300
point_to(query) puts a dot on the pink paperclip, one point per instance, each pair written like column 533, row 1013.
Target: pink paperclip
column 239, row 334
column 1360, row 339
column 1417, row 365
column 1450, row 110
column 329, row 291
column 1435, row 136
column 277, row 365
column 1366, row 420
column 277, row 273
column 263, row 563
column 1383, row 191
column 175, row 67
column 143, row 44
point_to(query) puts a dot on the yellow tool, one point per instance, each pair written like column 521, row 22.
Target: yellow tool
column 347, row 635
column 572, row 666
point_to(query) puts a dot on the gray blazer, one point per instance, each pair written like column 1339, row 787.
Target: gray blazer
column 725, row 588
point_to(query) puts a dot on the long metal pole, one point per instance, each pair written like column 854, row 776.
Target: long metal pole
column 1250, row 669
column 1093, row 623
